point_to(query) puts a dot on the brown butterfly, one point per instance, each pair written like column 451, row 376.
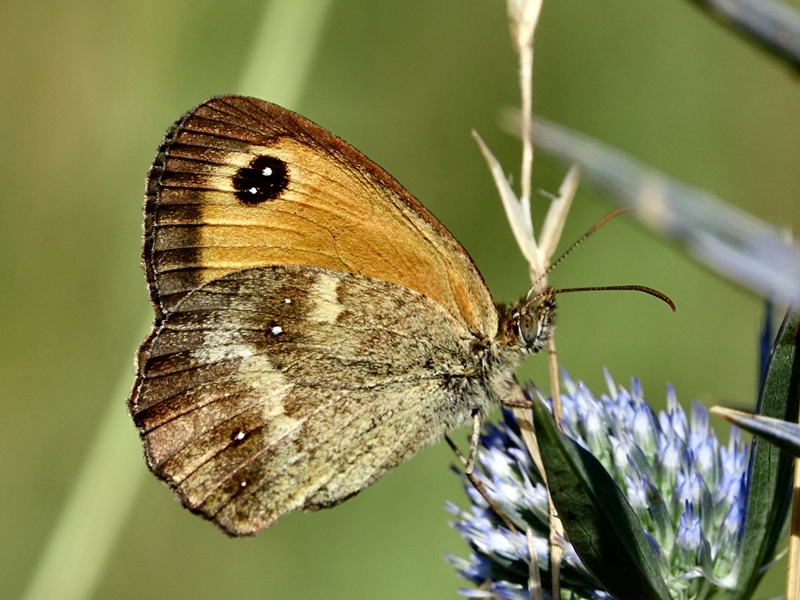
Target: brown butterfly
column 315, row 325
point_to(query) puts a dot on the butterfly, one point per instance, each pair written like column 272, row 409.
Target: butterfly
column 315, row 326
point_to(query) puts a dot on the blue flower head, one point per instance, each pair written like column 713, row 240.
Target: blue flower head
column 686, row 489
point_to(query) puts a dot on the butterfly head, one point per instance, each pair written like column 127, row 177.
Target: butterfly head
column 529, row 324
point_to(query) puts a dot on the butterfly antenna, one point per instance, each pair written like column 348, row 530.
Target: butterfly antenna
column 634, row 288
column 612, row 215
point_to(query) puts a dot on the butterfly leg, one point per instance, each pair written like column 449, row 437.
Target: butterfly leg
column 469, row 468
column 474, row 440
column 521, row 402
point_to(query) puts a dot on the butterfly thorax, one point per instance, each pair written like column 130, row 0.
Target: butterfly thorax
column 523, row 329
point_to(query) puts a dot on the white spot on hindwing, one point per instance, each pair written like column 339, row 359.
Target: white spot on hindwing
column 324, row 299
column 277, row 330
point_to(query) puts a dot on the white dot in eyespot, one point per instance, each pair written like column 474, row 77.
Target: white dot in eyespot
column 287, row 300
column 267, row 171
column 253, row 190
column 239, row 436
column 277, row 330
column 243, row 484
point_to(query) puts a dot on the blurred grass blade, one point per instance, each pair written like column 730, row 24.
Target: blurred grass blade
column 100, row 500
column 728, row 240
column 773, row 25
column 599, row 522
column 769, row 496
column 783, row 434
column 284, row 49
column 101, row 497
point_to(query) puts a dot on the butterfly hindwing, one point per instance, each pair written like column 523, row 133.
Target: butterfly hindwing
column 270, row 389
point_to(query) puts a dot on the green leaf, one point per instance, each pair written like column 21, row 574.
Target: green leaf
column 769, row 496
column 598, row 520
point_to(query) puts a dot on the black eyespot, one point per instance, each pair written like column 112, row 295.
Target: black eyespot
column 263, row 179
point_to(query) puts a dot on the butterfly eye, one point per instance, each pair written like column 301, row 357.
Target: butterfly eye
column 529, row 329
column 535, row 328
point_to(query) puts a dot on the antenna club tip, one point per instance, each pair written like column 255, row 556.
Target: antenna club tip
column 632, row 288
column 666, row 299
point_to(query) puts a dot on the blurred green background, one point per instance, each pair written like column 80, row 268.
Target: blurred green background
column 88, row 89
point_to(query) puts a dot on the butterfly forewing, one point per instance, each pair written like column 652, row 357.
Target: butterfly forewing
column 239, row 182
